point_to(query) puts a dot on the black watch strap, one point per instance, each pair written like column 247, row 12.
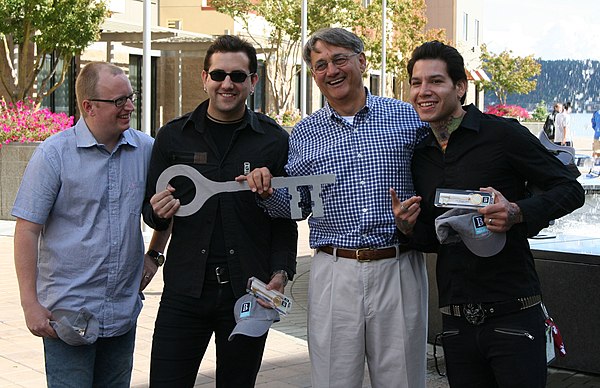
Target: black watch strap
column 157, row 257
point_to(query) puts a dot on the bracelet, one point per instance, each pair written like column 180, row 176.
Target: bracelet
column 285, row 276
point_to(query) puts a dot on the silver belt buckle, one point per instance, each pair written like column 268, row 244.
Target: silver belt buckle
column 220, row 271
column 473, row 313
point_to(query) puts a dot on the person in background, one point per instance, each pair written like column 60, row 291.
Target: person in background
column 489, row 294
column 215, row 251
column 79, row 251
column 550, row 123
column 563, row 135
column 596, row 128
column 367, row 293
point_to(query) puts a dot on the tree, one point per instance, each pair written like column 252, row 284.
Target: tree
column 406, row 22
column 280, row 40
column 508, row 74
column 38, row 34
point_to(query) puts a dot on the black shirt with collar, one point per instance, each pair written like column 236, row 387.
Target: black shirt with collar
column 484, row 151
column 255, row 244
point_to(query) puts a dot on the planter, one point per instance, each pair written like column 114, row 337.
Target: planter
column 13, row 160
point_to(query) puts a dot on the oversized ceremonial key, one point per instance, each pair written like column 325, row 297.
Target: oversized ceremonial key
column 205, row 188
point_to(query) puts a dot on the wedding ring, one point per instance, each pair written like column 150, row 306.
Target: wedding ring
column 147, row 276
column 490, row 221
column 403, row 208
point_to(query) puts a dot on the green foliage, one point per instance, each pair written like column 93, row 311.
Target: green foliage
column 405, row 24
column 508, row 74
column 282, row 46
column 540, row 112
column 60, row 27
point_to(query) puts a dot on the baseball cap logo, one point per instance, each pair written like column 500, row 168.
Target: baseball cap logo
column 245, row 310
column 479, row 225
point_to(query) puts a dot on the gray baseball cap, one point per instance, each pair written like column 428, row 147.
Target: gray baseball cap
column 469, row 227
column 252, row 319
column 76, row 328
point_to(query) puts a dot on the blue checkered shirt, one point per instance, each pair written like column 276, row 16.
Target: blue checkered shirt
column 368, row 157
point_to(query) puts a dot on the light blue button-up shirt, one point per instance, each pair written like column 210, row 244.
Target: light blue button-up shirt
column 91, row 249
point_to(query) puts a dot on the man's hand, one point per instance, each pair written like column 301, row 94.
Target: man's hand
column 405, row 212
column 164, row 203
column 276, row 284
column 259, row 181
column 501, row 215
column 37, row 318
column 150, row 269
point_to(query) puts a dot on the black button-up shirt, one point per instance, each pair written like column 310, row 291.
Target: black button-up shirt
column 255, row 244
column 490, row 151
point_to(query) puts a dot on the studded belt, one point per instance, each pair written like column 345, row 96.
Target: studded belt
column 476, row 313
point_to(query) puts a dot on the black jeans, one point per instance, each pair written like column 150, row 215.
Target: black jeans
column 184, row 326
column 504, row 351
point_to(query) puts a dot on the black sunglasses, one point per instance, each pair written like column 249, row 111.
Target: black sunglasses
column 119, row 102
column 236, row 76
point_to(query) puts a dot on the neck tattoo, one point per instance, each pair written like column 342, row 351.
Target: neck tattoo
column 444, row 130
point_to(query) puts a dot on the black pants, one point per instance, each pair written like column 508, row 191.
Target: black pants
column 505, row 351
column 182, row 332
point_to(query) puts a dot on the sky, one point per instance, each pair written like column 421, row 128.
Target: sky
column 548, row 29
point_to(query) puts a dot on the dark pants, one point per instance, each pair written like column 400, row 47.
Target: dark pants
column 184, row 326
column 505, row 351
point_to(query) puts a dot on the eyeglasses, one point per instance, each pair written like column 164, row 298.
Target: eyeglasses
column 235, row 76
column 338, row 61
column 119, row 102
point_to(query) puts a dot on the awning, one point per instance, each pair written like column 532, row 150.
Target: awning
column 161, row 38
column 476, row 75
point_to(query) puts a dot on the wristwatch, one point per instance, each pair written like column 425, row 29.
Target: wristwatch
column 157, row 257
column 285, row 276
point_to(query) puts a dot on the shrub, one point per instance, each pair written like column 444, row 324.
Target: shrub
column 289, row 118
column 515, row 111
column 23, row 122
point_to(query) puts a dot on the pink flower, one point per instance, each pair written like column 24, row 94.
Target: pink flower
column 23, row 122
column 508, row 110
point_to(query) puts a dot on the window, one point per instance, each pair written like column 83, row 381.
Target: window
column 477, row 32
column 374, row 84
column 135, row 77
column 256, row 102
column 465, row 26
column 298, row 96
column 63, row 98
column 174, row 23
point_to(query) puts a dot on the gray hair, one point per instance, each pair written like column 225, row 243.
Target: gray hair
column 334, row 36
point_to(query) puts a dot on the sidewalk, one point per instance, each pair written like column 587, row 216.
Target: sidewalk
column 285, row 362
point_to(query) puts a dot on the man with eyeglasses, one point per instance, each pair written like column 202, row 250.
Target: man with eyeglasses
column 215, row 251
column 367, row 293
column 79, row 251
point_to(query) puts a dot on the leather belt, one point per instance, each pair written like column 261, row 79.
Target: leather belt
column 364, row 254
column 476, row 313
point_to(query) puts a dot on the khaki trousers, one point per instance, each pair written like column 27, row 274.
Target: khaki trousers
column 374, row 311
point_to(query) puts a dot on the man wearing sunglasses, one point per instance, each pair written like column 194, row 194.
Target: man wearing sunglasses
column 230, row 239
column 79, row 250
column 367, row 293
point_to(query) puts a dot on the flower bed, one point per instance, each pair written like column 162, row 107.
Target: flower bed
column 24, row 123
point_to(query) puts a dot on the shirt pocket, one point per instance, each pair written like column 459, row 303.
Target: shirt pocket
column 134, row 195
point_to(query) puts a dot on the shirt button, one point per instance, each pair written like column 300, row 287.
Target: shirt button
column 365, row 210
column 203, row 251
column 362, row 182
column 231, row 251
